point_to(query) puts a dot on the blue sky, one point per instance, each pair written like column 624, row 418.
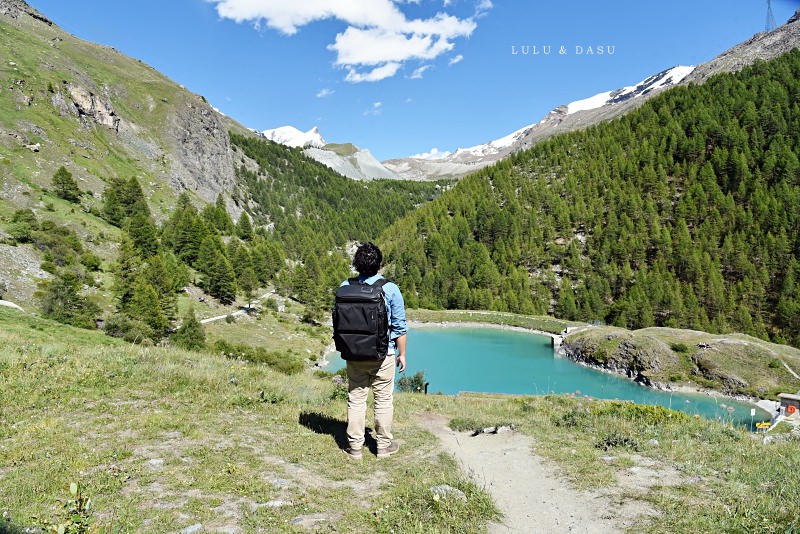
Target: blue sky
column 403, row 77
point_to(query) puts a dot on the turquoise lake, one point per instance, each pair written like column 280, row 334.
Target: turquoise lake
column 490, row 360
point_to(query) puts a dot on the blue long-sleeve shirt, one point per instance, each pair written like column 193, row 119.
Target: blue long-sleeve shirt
column 394, row 304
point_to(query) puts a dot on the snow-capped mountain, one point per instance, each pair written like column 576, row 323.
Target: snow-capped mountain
column 291, row 136
column 577, row 114
column 581, row 113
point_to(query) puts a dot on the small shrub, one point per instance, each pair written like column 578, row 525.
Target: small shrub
column 286, row 363
column 271, row 397
column 680, row 348
column 615, row 439
column 48, row 267
column 412, row 384
column 570, row 419
column 131, row 330
column 340, row 388
column 230, row 319
column 191, row 335
column 223, row 347
column 91, row 261
column 77, row 515
column 775, row 363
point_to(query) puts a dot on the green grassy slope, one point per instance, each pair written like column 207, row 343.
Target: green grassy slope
column 163, row 439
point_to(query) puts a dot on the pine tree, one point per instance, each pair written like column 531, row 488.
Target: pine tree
column 190, row 335
column 244, row 228
column 146, row 307
column 566, row 307
column 143, row 233
column 224, row 222
column 248, row 283
column 126, row 271
column 188, row 235
column 178, row 271
column 132, row 198
column 156, row 273
column 222, row 284
column 207, row 254
column 61, row 301
column 65, row 186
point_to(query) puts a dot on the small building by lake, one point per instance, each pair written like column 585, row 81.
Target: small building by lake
column 789, row 403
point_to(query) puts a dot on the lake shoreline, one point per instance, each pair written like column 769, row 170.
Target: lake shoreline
column 766, row 405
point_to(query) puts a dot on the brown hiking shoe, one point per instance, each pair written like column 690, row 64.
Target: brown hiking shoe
column 353, row 454
column 388, row 451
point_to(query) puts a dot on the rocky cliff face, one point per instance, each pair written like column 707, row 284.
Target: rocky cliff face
column 102, row 115
column 170, row 136
column 200, row 155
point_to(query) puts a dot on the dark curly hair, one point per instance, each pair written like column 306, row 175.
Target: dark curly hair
column 367, row 259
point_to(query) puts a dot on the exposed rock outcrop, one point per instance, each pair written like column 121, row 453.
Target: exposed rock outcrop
column 635, row 358
column 706, row 368
column 201, row 158
column 17, row 8
column 93, row 106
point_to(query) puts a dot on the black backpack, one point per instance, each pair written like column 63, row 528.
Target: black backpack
column 361, row 321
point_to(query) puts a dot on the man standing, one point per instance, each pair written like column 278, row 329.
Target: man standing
column 375, row 371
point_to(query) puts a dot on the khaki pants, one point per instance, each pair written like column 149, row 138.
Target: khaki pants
column 379, row 375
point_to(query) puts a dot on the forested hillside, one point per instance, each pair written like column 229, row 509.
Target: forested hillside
column 684, row 213
column 311, row 207
column 313, row 212
column 305, row 214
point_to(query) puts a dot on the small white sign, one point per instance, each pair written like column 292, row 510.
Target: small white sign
column 752, row 412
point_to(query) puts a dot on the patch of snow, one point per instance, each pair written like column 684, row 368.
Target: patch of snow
column 291, row 136
column 592, row 102
column 663, row 79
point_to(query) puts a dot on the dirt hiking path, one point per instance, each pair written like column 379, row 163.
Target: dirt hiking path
column 530, row 493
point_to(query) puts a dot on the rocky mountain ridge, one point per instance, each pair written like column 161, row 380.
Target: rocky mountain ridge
column 601, row 107
column 167, row 134
column 345, row 158
column 101, row 115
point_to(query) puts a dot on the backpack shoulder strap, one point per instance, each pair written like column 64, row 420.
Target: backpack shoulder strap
column 378, row 283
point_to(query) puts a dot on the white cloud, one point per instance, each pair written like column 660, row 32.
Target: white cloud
column 417, row 74
column 456, row 59
column 376, row 109
column 325, row 91
column 483, row 6
column 433, row 154
column 375, row 75
column 378, row 34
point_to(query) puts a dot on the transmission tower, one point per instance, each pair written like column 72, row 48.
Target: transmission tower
column 770, row 25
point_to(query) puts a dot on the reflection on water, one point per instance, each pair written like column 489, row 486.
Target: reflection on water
column 506, row 361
